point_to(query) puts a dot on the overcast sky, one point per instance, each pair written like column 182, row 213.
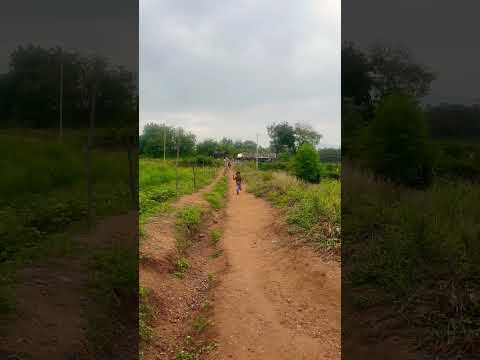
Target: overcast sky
column 231, row 67
column 107, row 27
column 440, row 34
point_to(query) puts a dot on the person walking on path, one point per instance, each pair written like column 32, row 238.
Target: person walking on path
column 238, row 180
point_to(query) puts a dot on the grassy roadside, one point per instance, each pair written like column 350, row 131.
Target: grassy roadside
column 421, row 265
column 312, row 211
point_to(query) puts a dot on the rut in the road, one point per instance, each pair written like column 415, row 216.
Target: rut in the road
column 275, row 302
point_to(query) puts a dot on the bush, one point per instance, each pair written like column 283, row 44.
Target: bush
column 307, row 164
column 397, row 140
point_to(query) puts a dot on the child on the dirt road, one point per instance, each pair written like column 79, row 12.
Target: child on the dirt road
column 238, row 179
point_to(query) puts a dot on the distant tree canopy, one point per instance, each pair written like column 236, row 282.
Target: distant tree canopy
column 286, row 138
column 151, row 141
column 393, row 71
column 383, row 70
column 29, row 91
column 356, row 80
column 305, row 134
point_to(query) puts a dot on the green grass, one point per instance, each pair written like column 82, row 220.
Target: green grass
column 216, row 235
column 43, row 199
column 145, row 315
column 187, row 226
column 113, row 285
column 313, row 211
column 217, row 197
column 181, row 267
column 158, row 184
column 420, row 248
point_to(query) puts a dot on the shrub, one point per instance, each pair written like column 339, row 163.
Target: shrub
column 398, row 142
column 307, row 164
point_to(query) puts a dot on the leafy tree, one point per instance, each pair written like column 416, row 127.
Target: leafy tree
column 151, row 141
column 30, row 90
column 282, row 137
column 398, row 141
column 307, row 163
column 207, row 147
column 393, row 71
column 356, row 80
column 225, row 146
column 305, row 134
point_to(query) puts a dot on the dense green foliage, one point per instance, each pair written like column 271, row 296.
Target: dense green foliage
column 307, row 163
column 397, row 142
column 154, row 135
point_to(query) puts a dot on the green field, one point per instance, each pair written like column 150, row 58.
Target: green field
column 158, row 183
column 312, row 211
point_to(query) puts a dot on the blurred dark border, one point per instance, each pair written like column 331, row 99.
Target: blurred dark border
column 69, row 183
column 410, row 180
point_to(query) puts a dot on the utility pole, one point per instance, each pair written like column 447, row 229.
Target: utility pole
column 176, row 162
column 164, row 141
column 256, row 156
column 60, row 125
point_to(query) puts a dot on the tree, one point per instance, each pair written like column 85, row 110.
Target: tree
column 30, row 90
column 305, row 134
column 207, row 147
column 307, row 163
column 282, row 137
column 398, row 141
column 394, row 72
column 151, row 141
column 356, row 80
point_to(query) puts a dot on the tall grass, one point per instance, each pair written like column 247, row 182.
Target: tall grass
column 421, row 247
column 312, row 210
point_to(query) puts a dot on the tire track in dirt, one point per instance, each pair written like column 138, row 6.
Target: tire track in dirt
column 274, row 302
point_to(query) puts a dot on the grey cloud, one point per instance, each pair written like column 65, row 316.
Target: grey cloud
column 226, row 58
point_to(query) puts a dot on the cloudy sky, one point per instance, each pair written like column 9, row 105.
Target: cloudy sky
column 107, row 27
column 231, row 67
column 440, row 34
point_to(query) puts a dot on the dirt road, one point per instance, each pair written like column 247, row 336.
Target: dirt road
column 273, row 302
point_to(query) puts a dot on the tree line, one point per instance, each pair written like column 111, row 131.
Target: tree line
column 30, row 90
column 284, row 138
column 385, row 126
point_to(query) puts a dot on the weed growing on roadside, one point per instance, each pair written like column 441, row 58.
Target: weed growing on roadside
column 187, row 225
column 216, row 198
column 145, row 314
column 216, row 235
column 181, row 267
column 200, row 324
